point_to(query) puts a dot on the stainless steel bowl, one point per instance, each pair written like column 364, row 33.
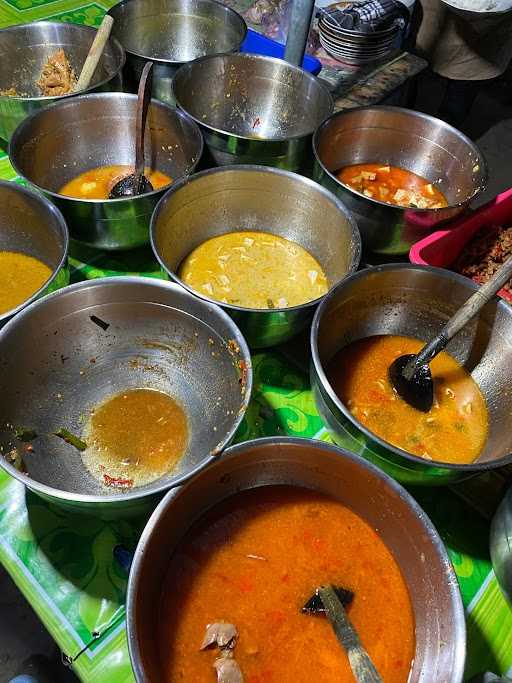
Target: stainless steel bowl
column 253, row 109
column 501, row 544
column 31, row 225
column 407, row 139
column 55, row 145
column 414, row 301
column 376, row 498
column 170, row 33
column 226, row 199
column 159, row 336
column 25, row 48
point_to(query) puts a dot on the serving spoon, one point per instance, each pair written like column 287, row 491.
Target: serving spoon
column 94, row 54
column 136, row 183
column 410, row 374
column 332, row 601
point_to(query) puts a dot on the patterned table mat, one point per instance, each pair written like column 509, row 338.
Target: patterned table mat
column 63, row 562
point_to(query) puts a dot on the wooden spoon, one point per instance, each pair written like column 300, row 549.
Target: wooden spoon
column 95, row 52
column 410, row 374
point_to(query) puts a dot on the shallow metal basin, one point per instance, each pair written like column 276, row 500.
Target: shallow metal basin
column 25, row 48
column 415, row 301
column 407, row 139
column 159, row 337
column 230, row 198
column 253, row 109
column 55, row 145
column 32, row 225
column 170, row 33
column 375, row 497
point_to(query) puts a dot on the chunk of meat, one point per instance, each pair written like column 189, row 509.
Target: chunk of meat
column 222, row 634
column 227, row 669
column 57, row 77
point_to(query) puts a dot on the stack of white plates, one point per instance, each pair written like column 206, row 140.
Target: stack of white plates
column 355, row 47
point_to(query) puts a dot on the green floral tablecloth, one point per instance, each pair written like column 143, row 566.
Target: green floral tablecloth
column 64, row 565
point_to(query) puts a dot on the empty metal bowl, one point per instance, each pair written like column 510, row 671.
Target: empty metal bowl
column 170, row 33
column 415, row 301
column 253, row 109
column 235, row 198
column 376, row 498
column 25, row 48
column 410, row 140
column 153, row 334
column 55, row 145
column 31, row 225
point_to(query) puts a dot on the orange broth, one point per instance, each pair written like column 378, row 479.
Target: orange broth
column 454, row 430
column 392, row 185
column 253, row 561
column 97, row 182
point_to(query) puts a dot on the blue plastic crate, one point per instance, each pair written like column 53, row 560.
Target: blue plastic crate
column 261, row 45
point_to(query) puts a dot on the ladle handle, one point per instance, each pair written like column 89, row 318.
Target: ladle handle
column 144, row 98
column 95, row 52
column 472, row 306
column 362, row 666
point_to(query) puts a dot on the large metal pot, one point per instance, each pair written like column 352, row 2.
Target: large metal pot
column 170, row 33
column 501, row 544
column 414, row 301
column 253, row 109
column 32, row 225
column 226, row 199
column 55, row 145
column 375, row 497
column 57, row 364
column 25, row 48
column 408, row 139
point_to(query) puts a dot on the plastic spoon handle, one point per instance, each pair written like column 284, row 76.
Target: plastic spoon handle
column 144, row 98
column 95, row 52
column 472, row 306
column 362, row 666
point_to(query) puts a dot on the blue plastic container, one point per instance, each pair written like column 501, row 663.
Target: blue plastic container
column 261, row 45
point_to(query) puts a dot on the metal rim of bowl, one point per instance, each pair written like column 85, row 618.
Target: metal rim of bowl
column 160, row 60
column 247, row 56
column 13, row 143
column 326, row 385
column 283, row 441
column 475, row 13
column 58, row 98
column 247, row 168
column 57, row 215
column 426, row 117
column 154, row 487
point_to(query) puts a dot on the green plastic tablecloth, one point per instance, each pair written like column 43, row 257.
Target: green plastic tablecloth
column 63, row 563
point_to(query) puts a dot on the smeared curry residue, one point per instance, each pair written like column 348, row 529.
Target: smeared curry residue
column 98, row 182
column 253, row 561
column 454, row 430
column 254, row 270
column 135, row 437
column 20, row 277
column 393, row 185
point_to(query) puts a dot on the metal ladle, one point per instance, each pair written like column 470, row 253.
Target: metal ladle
column 136, row 183
column 410, row 374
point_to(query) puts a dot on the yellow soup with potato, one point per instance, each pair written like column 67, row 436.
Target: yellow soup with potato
column 98, row 182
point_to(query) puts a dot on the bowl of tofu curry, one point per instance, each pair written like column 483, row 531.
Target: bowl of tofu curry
column 228, row 571
column 33, row 248
column 265, row 244
column 400, row 172
column 383, row 313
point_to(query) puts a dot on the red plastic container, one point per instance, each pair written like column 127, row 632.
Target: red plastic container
column 442, row 248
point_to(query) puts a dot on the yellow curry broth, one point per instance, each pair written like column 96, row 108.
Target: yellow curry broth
column 98, row 182
column 254, row 270
column 454, row 431
column 20, row 277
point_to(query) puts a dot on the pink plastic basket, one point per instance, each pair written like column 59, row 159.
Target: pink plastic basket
column 441, row 248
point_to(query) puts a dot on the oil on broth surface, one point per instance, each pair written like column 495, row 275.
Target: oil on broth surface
column 20, row 277
column 393, row 185
column 253, row 561
column 135, row 437
column 455, row 430
column 254, row 270
column 97, row 182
